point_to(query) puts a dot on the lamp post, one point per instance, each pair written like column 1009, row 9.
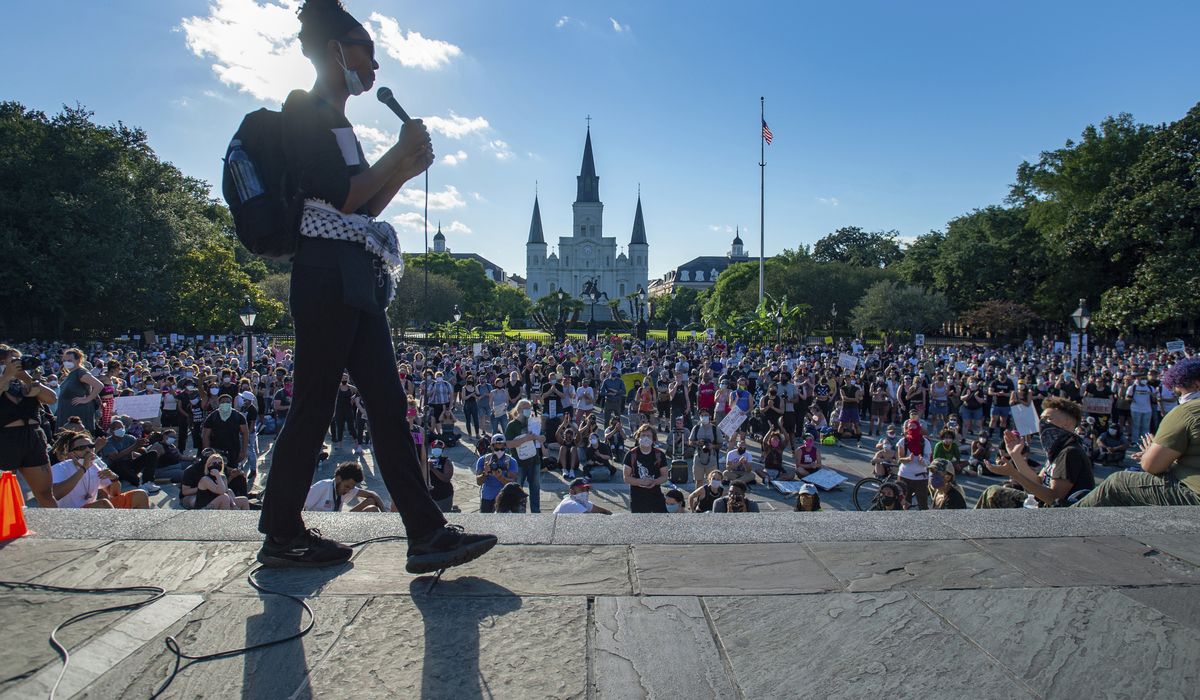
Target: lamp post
column 457, row 318
column 591, row 290
column 641, row 324
column 778, row 327
column 833, row 315
column 248, row 314
column 560, row 326
column 1082, row 318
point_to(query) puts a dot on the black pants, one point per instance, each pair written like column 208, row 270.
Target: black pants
column 137, row 470
column 332, row 337
column 343, row 422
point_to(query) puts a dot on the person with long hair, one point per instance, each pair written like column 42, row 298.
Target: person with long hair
column 343, row 277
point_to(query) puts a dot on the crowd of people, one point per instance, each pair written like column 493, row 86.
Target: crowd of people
column 690, row 426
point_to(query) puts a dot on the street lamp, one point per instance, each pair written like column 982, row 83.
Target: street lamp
column 1082, row 318
column 248, row 315
column 641, row 324
column 778, row 327
column 560, row 326
column 457, row 317
column 591, row 290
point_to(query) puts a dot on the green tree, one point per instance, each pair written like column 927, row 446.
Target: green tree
column 890, row 307
column 475, row 289
column 410, row 308
column 999, row 317
column 508, row 302
column 680, row 305
column 921, row 258
column 854, row 246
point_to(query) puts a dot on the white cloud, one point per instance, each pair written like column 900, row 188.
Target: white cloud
column 720, row 228
column 449, row 198
column 456, row 127
column 410, row 48
column 409, row 221
column 181, row 103
column 478, row 197
column 829, row 201
column 375, row 142
column 454, row 158
column 562, row 22
column 254, row 48
column 500, row 149
column 456, row 227
column 618, row 27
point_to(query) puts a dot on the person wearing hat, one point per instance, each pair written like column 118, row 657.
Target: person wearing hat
column 807, row 499
column 493, row 471
column 578, row 500
column 946, row 494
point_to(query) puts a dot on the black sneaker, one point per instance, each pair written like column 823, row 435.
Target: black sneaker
column 445, row 547
column 307, row 550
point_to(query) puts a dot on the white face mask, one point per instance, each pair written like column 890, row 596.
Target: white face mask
column 354, row 84
column 581, row 498
column 525, row 412
column 69, row 364
column 644, row 441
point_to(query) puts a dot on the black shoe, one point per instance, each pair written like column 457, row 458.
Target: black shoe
column 445, row 547
column 307, row 550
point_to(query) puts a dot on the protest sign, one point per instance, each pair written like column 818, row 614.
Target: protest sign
column 825, row 479
column 1025, row 419
column 732, row 421
column 847, row 362
column 138, row 407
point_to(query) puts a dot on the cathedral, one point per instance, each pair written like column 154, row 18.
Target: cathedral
column 587, row 254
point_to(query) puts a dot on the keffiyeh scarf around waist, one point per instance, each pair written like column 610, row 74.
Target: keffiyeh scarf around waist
column 320, row 220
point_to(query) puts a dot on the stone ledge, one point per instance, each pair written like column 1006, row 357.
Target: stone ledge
column 833, row 526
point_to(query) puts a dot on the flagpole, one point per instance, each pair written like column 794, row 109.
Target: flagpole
column 762, row 169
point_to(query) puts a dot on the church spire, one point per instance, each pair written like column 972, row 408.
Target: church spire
column 535, row 225
column 639, row 226
column 588, row 183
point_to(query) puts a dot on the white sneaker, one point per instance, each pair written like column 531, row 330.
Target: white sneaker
column 151, row 488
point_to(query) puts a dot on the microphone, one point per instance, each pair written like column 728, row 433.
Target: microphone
column 385, row 96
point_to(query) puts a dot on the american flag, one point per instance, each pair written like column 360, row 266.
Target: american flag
column 767, row 132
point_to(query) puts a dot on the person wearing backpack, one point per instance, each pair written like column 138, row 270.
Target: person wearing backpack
column 344, row 267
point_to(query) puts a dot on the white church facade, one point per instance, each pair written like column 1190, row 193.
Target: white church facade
column 587, row 254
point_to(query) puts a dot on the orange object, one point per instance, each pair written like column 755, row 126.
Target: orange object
column 12, row 508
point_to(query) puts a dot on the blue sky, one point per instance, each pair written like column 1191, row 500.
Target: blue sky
column 886, row 115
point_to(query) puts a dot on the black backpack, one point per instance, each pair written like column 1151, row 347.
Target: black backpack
column 266, row 206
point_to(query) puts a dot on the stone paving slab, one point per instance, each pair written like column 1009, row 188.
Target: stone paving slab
column 27, row 558
column 226, row 622
column 656, row 648
column 1072, row 522
column 498, row 645
column 1060, row 641
column 85, row 523
column 842, row 645
column 27, row 619
column 885, row 566
column 728, row 569
column 1185, row 547
column 1091, row 561
column 523, row 569
column 179, row 567
column 1179, row 602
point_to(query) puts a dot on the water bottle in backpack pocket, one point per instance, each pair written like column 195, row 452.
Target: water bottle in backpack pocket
column 265, row 204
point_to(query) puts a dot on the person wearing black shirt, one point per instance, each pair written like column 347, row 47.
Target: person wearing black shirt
column 1001, row 390
column 343, row 411
column 1069, row 470
column 22, row 439
column 646, row 469
column 342, row 281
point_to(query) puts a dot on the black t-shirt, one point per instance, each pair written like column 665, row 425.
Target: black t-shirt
column 646, row 466
column 440, row 489
column 1074, row 465
column 285, row 402
column 321, row 150
column 226, row 434
column 1002, row 400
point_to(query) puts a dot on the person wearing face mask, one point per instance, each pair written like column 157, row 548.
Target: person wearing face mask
column 78, row 391
column 596, row 454
column 1069, row 468
column 891, row 497
column 739, row 463
column 493, row 470
column 706, row 440
column 127, row 456
column 578, row 500
column 527, row 445
column 226, row 431
column 807, row 499
column 1141, row 408
column 646, row 469
column 441, row 473
column 1170, row 460
column 702, row 499
column 1112, row 446
column 676, row 501
column 946, row 494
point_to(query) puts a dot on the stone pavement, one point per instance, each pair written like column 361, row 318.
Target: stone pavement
column 1045, row 604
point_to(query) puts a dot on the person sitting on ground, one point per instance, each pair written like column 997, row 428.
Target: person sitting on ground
column 705, row 440
column 739, row 467
column 736, row 501
column 448, row 433
column 1111, row 446
column 807, row 456
column 614, row 435
column 891, row 497
column 126, row 455
column 702, row 499
column 675, row 501
column 77, row 479
column 808, row 499
column 947, row 495
column 597, row 454
column 568, row 456
column 1170, row 460
column 212, row 490
column 171, row 462
column 578, row 500
column 772, row 468
column 947, row 448
column 512, row 499
column 330, row 495
column 1069, row 469
column 981, row 454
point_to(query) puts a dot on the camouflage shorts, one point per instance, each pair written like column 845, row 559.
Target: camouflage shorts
column 1001, row 497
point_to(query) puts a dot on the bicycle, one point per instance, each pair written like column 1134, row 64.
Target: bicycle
column 866, row 490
